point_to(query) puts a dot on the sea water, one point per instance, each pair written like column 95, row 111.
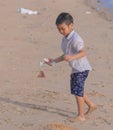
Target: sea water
column 108, row 4
column 103, row 7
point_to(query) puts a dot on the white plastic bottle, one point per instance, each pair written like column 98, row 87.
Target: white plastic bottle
column 27, row 11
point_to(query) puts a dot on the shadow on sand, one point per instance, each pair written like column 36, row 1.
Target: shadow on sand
column 38, row 107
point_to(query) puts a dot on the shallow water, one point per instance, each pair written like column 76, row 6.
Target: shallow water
column 106, row 4
column 103, row 7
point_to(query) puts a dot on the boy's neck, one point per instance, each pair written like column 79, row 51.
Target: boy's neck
column 69, row 33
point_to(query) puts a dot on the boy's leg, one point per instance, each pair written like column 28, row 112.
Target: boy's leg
column 77, row 88
column 90, row 104
column 80, row 105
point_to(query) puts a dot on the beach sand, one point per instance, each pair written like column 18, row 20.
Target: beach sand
column 31, row 103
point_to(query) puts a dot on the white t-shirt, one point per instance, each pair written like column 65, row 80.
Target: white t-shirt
column 72, row 45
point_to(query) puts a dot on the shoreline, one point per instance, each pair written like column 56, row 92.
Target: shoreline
column 102, row 11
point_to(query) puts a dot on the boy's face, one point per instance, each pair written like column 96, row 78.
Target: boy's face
column 65, row 29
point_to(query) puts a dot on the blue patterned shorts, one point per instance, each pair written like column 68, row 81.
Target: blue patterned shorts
column 77, row 83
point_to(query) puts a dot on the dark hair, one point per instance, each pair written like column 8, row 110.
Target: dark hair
column 64, row 18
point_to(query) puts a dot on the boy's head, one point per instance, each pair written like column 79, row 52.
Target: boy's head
column 64, row 18
column 64, row 23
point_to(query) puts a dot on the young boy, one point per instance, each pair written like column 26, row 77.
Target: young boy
column 74, row 53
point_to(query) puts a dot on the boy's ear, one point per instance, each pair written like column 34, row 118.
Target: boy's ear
column 71, row 25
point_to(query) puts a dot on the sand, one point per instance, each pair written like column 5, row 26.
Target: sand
column 31, row 103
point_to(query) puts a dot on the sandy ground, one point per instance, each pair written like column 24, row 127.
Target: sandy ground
column 31, row 103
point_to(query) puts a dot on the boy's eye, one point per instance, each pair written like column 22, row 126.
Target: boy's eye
column 63, row 29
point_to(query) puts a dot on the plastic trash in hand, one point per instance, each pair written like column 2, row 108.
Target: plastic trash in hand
column 42, row 63
column 52, row 63
column 46, row 60
column 27, row 11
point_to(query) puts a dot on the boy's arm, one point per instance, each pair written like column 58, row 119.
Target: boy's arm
column 80, row 54
column 56, row 60
column 59, row 59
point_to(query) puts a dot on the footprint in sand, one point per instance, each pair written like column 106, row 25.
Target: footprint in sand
column 103, row 120
column 95, row 93
column 47, row 96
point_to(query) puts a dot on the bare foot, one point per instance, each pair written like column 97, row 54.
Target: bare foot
column 91, row 109
column 78, row 118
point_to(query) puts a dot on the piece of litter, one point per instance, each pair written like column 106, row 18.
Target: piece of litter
column 27, row 11
column 41, row 74
column 46, row 61
column 42, row 63
column 88, row 12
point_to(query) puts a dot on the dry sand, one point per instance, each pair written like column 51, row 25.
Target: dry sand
column 31, row 103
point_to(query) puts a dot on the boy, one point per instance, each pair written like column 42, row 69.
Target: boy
column 74, row 53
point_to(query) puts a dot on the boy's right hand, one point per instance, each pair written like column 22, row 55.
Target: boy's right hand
column 48, row 61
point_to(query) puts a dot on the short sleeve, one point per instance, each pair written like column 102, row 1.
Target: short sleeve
column 78, row 43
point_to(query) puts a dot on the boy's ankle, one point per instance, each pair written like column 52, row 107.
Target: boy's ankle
column 80, row 118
